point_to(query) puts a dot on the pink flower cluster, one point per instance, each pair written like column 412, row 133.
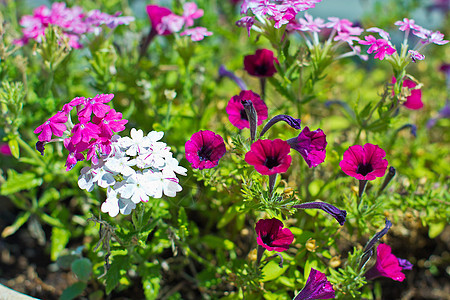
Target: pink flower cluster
column 165, row 22
column 282, row 12
column 92, row 134
column 383, row 47
column 73, row 22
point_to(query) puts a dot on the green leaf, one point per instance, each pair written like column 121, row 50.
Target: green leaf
column 82, row 267
column 73, row 291
column 65, row 261
column 17, row 182
column 228, row 216
column 150, row 280
column 120, row 262
column 21, row 219
column 50, row 220
column 435, row 229
column 14, row 147
column 272, row 270
column 60, row 238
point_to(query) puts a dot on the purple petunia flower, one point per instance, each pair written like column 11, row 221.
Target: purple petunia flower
column 387, row 265
column 204, row 149
column 156, row 13
column 317, row 287
column 236, row 112
column 405, row 264
column 269, row 157
column 294, row 123
column 261, row 64
column 364, row 162
column 272, row 236
column 311, row 145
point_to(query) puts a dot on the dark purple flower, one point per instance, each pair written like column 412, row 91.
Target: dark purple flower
column 260, row 64
column 204, row 149
column 294, row 123
column 236, row 112
column 272, row 236
column 387, row 265
column 269, row 157
column 332, row 210
column 317, row 287
column 364, row 163
column 311, row 145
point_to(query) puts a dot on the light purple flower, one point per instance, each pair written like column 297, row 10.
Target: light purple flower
column 310, row 24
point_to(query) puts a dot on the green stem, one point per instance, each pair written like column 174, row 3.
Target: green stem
column 30, row 151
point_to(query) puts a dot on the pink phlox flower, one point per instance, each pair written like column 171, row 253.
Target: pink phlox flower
column 156, row 13
column 84, row 132
column 346, row 37
column 196, row 33
column 380, row 46
column 407, row 24
column 272, row 236
column 191, row 12
column 246, row 22
column 387, row 265
column 383, row 50
column 364, row 162
column 245, row 6
column 381, row 32
column 170, row 23
column 75, row 154
column 111, row 122
column 415, row 55
column 54, row 125
column 437, row 38
column 338, row 24
column 95, row 105
column 284, row 17
column 357, row 51
column 264, row 7
column 311, row 24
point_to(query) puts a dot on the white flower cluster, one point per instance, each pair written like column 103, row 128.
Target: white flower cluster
column 137, row 168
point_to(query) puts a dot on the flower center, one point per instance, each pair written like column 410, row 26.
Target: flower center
column 243, row 115
column 204, row 153
column 364, row 169
column 261, row 69
column 271, row 162
column 266, row 240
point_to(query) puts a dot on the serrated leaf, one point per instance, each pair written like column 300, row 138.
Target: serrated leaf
column 120, row 262
column 17, row 182
column 82, row 267
column 60, row 238
column 14, row 147
column 21, row 219
column 73, row 291
column 150, row 280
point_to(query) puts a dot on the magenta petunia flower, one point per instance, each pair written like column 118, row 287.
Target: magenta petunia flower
column 317, row 287
column 156, row 13
column 364, row 162
column 387, row 265
column 413, row 101
column 269, row 157
column 204, row 149
column 272, row 236
column 311, row 145
column 261, row 64
column 236, row 112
